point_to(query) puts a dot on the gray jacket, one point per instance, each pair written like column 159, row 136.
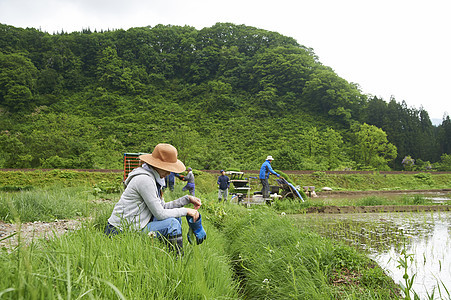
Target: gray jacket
column 140, row 201
column 189, row 177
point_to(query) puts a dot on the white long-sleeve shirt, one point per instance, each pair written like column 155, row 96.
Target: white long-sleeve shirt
column 140, row 201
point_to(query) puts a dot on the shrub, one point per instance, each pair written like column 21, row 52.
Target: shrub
column 425, row 178
column 107, row 187
column 13, row 188
column 370, row 201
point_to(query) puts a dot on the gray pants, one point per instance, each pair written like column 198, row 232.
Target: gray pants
column 222, row 194
column 265, row 188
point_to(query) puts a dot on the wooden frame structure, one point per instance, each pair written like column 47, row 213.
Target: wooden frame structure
column 131, row 161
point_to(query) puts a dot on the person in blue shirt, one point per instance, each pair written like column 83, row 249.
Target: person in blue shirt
column 265, row 170
column 170, row 181
column 224, row 183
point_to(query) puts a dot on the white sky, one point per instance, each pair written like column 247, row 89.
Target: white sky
column 399, row 48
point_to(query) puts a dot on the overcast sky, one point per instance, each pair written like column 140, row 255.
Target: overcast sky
column 398, row 48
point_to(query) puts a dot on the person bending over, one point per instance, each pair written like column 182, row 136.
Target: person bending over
column 142, row 207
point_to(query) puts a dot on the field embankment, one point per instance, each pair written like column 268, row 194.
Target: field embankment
column 206, row 180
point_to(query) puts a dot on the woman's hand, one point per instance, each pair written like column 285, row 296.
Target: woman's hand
column 195, row 201
column 193, row 213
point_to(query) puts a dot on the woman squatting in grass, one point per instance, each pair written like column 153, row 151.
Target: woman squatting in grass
column 142, row 207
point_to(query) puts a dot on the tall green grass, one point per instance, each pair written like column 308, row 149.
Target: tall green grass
column 87, row 264
column 46, row 204
column 274, row 258
column 249, row 253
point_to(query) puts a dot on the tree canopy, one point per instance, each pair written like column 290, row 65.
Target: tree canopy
column 226, row 96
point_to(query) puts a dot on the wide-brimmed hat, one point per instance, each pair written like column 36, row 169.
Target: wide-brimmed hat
column 164, row 156
column 269, row 157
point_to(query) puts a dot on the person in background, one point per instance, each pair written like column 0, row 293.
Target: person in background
column 170, row 181
column 224, row 183
column 265, row 170
column 190, row 186
column 142, row 207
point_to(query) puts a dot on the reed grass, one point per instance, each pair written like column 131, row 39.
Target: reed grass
column 249, row 253
column 274, row 258
column 87, row 264
column 45, row 204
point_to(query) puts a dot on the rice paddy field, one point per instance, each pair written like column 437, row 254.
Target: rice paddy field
column 261, row 252
column 421, row 240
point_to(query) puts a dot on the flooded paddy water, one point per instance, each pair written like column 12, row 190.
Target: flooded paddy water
column 424, row 236
column 436, row 196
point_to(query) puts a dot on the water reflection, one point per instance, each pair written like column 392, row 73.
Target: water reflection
column 427, row 236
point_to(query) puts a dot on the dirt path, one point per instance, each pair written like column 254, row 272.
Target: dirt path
column 33, row 230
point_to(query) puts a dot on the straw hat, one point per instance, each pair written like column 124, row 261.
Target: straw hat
column 269, row 157
column 164, row 157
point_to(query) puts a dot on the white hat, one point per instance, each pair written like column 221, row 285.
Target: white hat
column 269, row 157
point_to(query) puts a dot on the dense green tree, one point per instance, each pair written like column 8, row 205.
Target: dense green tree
column 17, row 81
column 284, row 68
column 49, row 82
column 233, row 67
column 13, row 153
column 331, row 148
column 115, row 75
column 409, row 129
column 323, row 148
column 445, row 163
column 371, row 147
column 426, row 143
column 444, row 135
column 288, row 159
column 376, row 112
column 331, row 95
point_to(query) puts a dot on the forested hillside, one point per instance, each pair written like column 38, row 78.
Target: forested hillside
column 226, row 96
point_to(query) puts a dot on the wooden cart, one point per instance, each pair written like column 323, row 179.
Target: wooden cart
column 131, row 161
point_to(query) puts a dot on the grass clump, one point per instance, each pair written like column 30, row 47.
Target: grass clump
column 370, row 201
column 66, row 178
column 415, row 200
column 44, row 204
column 424, row 178
column 295, row 206
column 13, row 188
column 86, row 263
column 276, row 259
